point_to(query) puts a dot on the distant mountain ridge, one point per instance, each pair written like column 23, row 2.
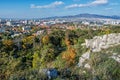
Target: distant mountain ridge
column 86, row 15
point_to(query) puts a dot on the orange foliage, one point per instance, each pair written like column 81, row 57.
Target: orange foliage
column 67, row 42
column 69, row 56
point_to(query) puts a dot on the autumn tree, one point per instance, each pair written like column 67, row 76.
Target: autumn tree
column 27, row 41
column 70, row 54
column 45, row 39
column 8, row 44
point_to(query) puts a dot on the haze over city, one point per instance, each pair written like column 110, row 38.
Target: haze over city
column 48, row 8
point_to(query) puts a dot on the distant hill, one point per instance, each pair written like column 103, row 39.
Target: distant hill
column 86, row 16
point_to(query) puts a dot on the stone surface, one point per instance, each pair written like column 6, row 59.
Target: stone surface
column 87, row 66
column 97, row 44
column 102, row 42
column 83, row 58
column 115, row 57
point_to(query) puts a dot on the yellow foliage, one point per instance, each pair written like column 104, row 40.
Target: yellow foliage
column 28, row 40
column 24, row 46
column 107, row 31
column 8, row 43
column 36, row 60
column 45, row 39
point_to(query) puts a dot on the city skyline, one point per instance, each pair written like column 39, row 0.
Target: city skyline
column 48, row 8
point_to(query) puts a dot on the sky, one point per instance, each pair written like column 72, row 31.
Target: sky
column 49, row 8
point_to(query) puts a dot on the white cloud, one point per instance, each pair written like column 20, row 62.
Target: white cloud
column 99, row 2
column 94, row 3
column 52, row 5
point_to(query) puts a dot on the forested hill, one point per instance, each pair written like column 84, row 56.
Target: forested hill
column 56, row 55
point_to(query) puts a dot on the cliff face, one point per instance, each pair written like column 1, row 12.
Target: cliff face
column 98, row 44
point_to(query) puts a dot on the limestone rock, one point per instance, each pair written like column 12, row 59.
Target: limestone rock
column 83, row 58
column 87, row 66
column 97, row 44
column 102, row 42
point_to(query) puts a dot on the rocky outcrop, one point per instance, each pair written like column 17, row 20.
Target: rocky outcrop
column 102, row 42
column 97, row 44
column 84, row 57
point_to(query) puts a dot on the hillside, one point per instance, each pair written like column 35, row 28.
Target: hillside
column 62, row 55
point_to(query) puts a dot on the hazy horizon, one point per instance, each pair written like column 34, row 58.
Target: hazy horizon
column 51, row 8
